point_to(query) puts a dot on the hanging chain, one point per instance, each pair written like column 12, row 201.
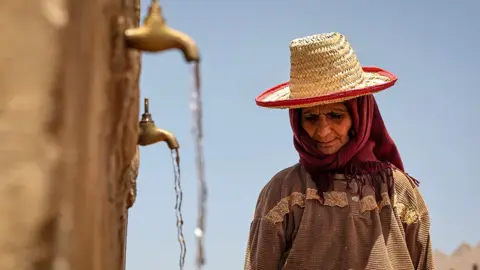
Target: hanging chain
column 196, row 107
column 178, row 207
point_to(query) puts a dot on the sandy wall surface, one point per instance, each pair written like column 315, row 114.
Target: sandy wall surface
column 69, row 105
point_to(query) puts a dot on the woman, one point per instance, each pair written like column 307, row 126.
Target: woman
column 348, row 204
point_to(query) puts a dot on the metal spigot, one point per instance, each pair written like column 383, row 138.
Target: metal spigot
column 155, row 36
column 150, row 134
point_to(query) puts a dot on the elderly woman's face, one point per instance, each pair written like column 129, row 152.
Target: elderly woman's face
column 328, row 125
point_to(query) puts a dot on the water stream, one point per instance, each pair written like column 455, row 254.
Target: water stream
column 197, row 131
column 178, row 207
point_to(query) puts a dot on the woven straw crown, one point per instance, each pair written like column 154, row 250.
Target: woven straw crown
column 324, row 67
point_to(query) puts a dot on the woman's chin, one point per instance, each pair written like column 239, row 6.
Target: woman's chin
column 328, row 150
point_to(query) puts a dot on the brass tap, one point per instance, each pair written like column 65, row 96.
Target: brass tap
column 150, row 134
column 155, row 36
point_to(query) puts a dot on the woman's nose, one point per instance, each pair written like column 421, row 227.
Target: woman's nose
column 323, row 128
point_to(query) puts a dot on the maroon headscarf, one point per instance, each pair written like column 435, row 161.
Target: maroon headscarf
column 369, row 152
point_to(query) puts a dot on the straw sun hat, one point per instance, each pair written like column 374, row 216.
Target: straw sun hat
column 324, row 69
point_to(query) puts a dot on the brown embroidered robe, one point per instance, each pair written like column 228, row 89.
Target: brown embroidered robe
column 293, row 230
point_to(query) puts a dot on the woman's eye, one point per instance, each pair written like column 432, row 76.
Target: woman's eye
column 311, row 118
column 335, row 116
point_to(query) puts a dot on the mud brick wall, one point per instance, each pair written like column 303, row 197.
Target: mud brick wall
column 69, row 106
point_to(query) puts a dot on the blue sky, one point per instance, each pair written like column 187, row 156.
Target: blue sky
column 431, row 113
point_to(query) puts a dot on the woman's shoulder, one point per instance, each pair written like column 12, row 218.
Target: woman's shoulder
column 288, row 180
column 404, row 183
column 408, row 200
column 284, row 185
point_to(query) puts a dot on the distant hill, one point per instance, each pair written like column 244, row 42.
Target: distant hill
column 465, row 257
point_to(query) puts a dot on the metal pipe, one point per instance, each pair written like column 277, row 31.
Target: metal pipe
column 155, row 36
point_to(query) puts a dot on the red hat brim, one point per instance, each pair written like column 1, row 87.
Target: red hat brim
column 325, row 99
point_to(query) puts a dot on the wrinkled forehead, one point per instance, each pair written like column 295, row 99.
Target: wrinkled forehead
column 334, row 107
